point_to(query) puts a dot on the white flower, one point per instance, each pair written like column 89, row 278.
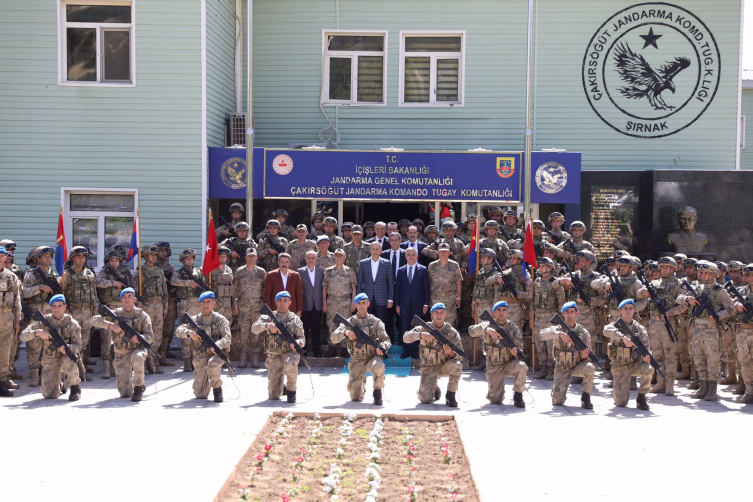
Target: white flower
column 280, row 430
column 340, row 452
column 351, row 416
column 374, row 455
column 370, row 498
column 334, row 497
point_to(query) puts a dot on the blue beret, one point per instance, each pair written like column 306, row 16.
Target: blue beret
column 322, row 238
column 206, row 294
column 57, row 298
column 499, row 304
column 629, row 301
column 127, row 290
column 3, row 250
column 569, row 305
column 360, row 297
column 282, row 294
column 437, row 306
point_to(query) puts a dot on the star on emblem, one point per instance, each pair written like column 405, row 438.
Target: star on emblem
column 650, row 39
column 235, row 164
column 206, row 250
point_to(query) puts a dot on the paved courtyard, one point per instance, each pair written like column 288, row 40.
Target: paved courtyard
column 173, row 447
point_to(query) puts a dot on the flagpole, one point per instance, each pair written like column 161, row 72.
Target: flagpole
column 138, row 244
column 209, row 278
column 475, row 308
column 532, row 320
column 62, row 277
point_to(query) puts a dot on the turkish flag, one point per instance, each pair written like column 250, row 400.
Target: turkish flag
column 529, row 252
column 211, row 251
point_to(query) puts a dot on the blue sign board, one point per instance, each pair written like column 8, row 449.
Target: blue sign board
column 389, row 175
column 228, row 173
column 555, row 178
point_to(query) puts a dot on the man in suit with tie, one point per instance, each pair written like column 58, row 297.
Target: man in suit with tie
column 396, row 256
column 311, row 279
column 284, row 279
column 416, row 244
column 380, row 235
column 376, row 280
column 412, row 297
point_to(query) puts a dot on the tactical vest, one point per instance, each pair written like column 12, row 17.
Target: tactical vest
column 483, row 293
column 211, row 325
column 40, row 297
column 135, row 320
column 496, row 356
column 240, row 247
column 565, row 354
column 429, row 355
column 713, row 294
column 185, row 292
column 586, row 280
column 618, row 352
column 110, row 294
column 7, row 290
column 544, row 296
column 270, row 339
column 65, row 329
column 79, row 291
column 514, row 275
column 666, row 291
column 627, row 286
column 222, row 286
column 152, row 284
column 370, row 326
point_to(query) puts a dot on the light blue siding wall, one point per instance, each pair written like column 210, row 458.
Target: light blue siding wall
column 221, row 25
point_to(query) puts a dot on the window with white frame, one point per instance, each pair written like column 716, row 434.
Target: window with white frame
column 99, row 220
column 96, row 42
column 432, row 68
column 354, row 68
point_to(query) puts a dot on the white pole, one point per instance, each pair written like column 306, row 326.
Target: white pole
column 250, row 122
column 527, row 159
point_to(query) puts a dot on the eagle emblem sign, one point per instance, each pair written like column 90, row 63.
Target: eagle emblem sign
column 551, row 177
column 651, row 70
column 233, row 172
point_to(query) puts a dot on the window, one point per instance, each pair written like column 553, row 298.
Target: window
column 96, row 42
column 431, row 68
column 354, row 68
column 99, row 220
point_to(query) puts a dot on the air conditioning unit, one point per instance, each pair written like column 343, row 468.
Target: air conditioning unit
column 238, row 129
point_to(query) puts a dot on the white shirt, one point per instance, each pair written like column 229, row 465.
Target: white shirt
column 374, row 268
column 312, row 275
column 284, row 280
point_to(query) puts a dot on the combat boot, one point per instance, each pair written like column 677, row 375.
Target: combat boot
column 75, row 393
column 711, row 395
column 105, row 369
column 633, row 383
column 450, row 399
column 163, row 359
column 608, row 376
column 138, row 393
column 740, row 389
column 683, row 374
column 254, row 361
column 187, row 365
column 4, row 390
column 640, row 402
column 694, row 385
column 218, row 395
column 242, row 362
column 670, row 387
column 703, row 389
column 517, row 400
column 437, row 394
column 34, row 379
column 731, row 378
column 291, row 396
column 745, row 399
column 550, row 374
column 585, row 401
column 378, row 397
column 11, row 384
column 660, row 387
column 541, row 373
column 88, row 361
column 15, row 376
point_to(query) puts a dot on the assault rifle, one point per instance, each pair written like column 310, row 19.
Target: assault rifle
column 207, row 342
column 56, row 338
column 507, row 285
column 578, row 343
column 285, row 335
column 506, row 341
column 659, row 304
column 197, row 280
column 276, row 245
column 128, row 330
column 125, row 281
column 556, row 238
column 229, row 226
column 640, row 349
column 361, row 337
column 618, row 291
column 730, row 286
column 48, row 281
column 577, row 284
column 234, row 247
column 26, row 311
column 703, row 304
column 441, row 339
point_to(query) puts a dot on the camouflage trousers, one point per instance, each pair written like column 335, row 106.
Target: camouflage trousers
column 449, row 303
column 7, row 334
column 745, row 356
column 704, row 343
column 153, row 307
column 587, row 319
column 662, row 348
column 83, row 315
column 280, row 366
column 645, row 319
column 466, row 291
column 584, row 369
column 495, row 378
column 207, row 373
column 544, row 349
column 51, row 368
column 335, row 305
column 224, row 306
column 191, row 307
column 621, row 382
column 34, row 346
column 601, row 315
column 430, row 374
column 357, row 379
column 683, row 342
column 106, row 337
column 129, row 370
column 248, row 313
column 168, row 323
column 729, row 345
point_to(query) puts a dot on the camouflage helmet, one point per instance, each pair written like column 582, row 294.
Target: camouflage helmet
column 8, row 244
column 31, row 258
column 587, row 254
column 515, row 253
column 747, row 269
column 512, row 213
column 460, row 225
column 79, row 250
column 722, row 266
column 491, row 224
column 488, row 252
column 10, row 256
column 43, row 250
column 556, row 216
column 610, row 261
column 403, row 223
column 653, row 266
column 147, row 250
column 626, row 260
column 689, row 262
column 347, row 226
column 273, row 223
column 636, row 262
column 667, row 260
column 470, row 217
column 647, row 264
column 707, row 265
column 418, row 221
column 734, row 265
column 242, row 225
column 449, row 225
column 280, row 212
column 578, row 224
column 680, row 257
column 369, row 224
column 224, row 250
column 237, row 206
column 548, row 246
column 329, row 220
column 545, row 261
column 186, row 253
column 431, row 228
column 113, row 254
column 120, row 248
column 162, row 244
column 494, row 210
column 619, row 253
column 317, row 216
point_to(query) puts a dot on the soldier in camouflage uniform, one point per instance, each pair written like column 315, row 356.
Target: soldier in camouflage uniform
column 10, row 249
column 462, row 233
column 435, row 362
column 168, row 322
column 735, row 273
column 269, row 251
column 109, row 289
column 667, row 289
column 431, row 236
column 486, row 283
column 10, row 322
column 500, row 248
column 704, row 337
column 729, row 345
column 338, row 290
column 625, row 362
column 37, row 295
column 286, row 231
column 299, row 246
column 154, row 292
column 550, row 251
column 330, row 229
column 548, row 295
column 236, row 215
column 585, row 272
column 501, row 362
column 347, row 230
column 248, row 285
column 570, row 362
column 187, row 291
column 556, row 235
column 282, row 358
column 402, row 228
column 357, row 249
column 745, row 340
column 222, row 285
column 316, row 225
column 55, row 361
column 79, row 284
column 15, row 345
column 522, row 288
column 130, row 356
column 445, row 281
column 238, row 245
column 509, row 230
column 324, row 257
column 569, row 247
column 684, row 356
column 455, row 245
column 365, row 358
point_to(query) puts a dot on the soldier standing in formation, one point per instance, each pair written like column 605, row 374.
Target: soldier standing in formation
column 236, row 213
column 548, row 295
column 79, row 284
column 187, row 291
column 330, row 227
column 338, row 291
column 248, row 284
column 299, row 246
column 154, row 292
column 168, row 323
column 222, row 286
column 270, row 248
column 445, row 281
column 357, row 249
column 10, row 322
column 555, row 235
column 486, row 282
column 744, row 340
column 238, row 245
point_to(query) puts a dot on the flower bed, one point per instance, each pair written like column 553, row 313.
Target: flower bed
column 353, row 458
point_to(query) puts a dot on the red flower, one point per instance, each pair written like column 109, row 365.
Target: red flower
column 410, row 457
column 452, row 476
column 260, row 457
column 299, row 459
column 410, row 489
column 267, row 447
column 454, row 495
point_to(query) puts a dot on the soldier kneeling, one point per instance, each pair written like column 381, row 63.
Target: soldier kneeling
column 54, row 361
column 282, row 359
column 502, row 362
column 436, row 363
column 207, row 365
column 366, row 358
column 568, row 361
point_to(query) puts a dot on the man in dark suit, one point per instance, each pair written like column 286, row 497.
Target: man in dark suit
column 284, row 279
column 311, row 278
column 396, row 256
column 416, row 244
column 412, row 297
column 380, row 235
column 376, row 280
